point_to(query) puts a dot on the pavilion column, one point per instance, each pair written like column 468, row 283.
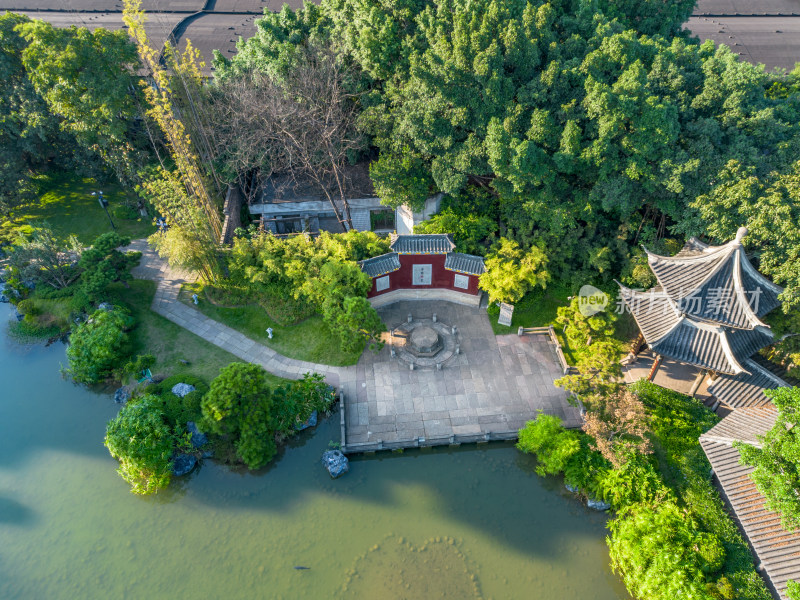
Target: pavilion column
column 637, row 344
column 654, row 369
column 697, row 382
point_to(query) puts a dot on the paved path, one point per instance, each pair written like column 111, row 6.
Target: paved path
column 167, row 304
column 493, row 387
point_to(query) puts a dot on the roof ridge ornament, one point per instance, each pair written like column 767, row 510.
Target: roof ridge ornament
column 741, row 233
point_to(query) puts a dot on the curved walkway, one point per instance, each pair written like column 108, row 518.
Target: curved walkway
column 497, row 384
column 167, row 304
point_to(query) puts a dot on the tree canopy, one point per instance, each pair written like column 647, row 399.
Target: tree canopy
column 777, row 460
column 143, row 444
column 99, row 345
column 238, row 405
column 592, row 124
column 103, row 264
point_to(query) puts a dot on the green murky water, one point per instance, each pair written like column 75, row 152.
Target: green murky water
column 469, row 523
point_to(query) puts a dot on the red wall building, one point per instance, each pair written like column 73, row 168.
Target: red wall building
column 420, row 262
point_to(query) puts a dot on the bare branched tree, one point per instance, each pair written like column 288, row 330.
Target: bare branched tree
column 618, row 424
column 304, row 127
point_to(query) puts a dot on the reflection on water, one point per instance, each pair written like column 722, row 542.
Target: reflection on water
column 462, row 523
column 398, row 570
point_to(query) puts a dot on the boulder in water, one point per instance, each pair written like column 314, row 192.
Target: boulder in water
column 182, row 464
column 336, row 463
column 311, row 422
column 598, row 504
column 122, row 395
column 571, row 488
column 198, row 437
column 181, row 389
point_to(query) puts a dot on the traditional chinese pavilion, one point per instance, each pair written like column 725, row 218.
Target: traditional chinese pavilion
column 424, row 267
column 707, row 310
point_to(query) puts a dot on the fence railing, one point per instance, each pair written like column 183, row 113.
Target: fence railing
column 549, row 331
column 429, row 442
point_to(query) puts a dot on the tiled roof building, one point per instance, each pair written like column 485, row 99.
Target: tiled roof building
column 777, row 551
column 706, row 310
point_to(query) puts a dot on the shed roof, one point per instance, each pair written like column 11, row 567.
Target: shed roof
column 468, row 264
column 745, row 389
column 380, row 265
column 716, row 284
column 776, row 549
column 434, row 243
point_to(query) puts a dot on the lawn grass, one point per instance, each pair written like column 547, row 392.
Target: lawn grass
column 310, row 340
column 169, row 342
column 65, row 203
column 539, row 308
column 536, row 309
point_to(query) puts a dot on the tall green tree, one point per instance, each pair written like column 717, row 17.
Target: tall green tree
column 143, row 443
column 511, row 272
column 777, row 458
column 99, row 346
column 662, row 553
column 238, row 406
column 26, row 127
column 103, row 264
column 86, row 78
column 593, row 124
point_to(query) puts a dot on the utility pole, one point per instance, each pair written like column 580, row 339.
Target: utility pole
column 104, row 203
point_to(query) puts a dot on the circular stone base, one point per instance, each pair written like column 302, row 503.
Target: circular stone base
column 421, row 332
column 424, row 341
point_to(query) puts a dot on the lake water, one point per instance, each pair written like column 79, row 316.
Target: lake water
column 474, row 522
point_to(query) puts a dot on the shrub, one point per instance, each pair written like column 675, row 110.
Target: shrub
column 238, row 406
column 165, row 386
column 550, row 442
column 26, row 332
column 103, row 264
column 793, row 591
column 559, row 450
column 99, row 346
column 28, row 307
column 294, row 403
column 125, row 212
column 139, row 365
column 657, row 550
column 192, row 405
column 143, row 444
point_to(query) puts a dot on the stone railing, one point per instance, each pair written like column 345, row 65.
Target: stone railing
column 551, row 333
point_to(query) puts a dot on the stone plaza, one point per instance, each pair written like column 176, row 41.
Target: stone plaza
column 488, row 390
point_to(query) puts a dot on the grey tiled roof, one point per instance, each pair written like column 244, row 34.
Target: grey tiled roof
column 653, row 310
column 464, row 263
column 423, row 244
column 380, row 265
column 716, row 348
column 692, row 248
column 743, row 425
column 716, row 284
column 776, row 549
column 745, row 389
